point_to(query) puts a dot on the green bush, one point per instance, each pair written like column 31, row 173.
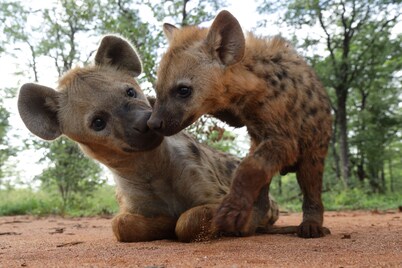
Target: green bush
column 27, row 201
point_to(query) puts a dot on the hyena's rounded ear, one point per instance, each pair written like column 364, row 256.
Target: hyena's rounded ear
column 118, row 52
column 37, row 106
column 169, row 30
column 225, row 38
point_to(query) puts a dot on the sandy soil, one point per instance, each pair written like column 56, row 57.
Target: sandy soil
column 358, row 239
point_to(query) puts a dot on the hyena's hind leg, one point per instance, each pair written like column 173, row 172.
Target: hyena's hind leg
column 129, row 227
column 309, row 176
column 266, row 224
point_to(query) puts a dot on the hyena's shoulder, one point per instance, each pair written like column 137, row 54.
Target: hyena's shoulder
column 216, row 164
column 285, row 71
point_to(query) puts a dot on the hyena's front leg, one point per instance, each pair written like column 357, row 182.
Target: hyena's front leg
column 309, row 177
column 129, row 227
column 254, row 172
column 196, row 225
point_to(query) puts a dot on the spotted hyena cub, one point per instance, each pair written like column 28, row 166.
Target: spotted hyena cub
column 261, row 83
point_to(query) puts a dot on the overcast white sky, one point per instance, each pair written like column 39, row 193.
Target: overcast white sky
column 27, row 166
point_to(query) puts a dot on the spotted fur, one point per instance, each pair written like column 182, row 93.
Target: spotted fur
column 262, row 83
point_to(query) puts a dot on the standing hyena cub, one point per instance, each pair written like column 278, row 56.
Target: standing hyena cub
column 166, row 187
column 262, row 84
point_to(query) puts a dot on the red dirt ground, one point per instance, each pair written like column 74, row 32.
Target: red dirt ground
column 358, row 239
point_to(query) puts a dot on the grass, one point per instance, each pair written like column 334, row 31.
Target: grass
column 26, row 201
column 352, row 199
column 102, row 202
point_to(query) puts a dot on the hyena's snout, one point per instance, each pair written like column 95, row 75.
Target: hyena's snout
column 141, row 121
column 155, row 123
column 165, row 121
column 164, row 124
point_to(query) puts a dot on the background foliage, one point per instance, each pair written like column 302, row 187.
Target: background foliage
column 354, row 46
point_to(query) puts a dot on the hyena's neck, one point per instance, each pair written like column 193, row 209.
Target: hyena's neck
column 143, row 165
column 241, row 88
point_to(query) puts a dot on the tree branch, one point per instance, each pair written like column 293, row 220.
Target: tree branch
column 329, row 45
column 184, row 13
column 375, row 35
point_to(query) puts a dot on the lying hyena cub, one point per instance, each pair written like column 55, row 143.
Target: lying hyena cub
column 165, row 186
column 258, row 82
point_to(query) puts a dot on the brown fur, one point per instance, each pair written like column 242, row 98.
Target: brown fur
column 261, row 83
column 165, row 187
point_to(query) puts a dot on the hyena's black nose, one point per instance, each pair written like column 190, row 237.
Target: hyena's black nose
column 155, row 123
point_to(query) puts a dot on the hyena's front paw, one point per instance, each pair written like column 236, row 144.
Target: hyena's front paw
column 233, row 215
column 312, row 229
column 194, row 225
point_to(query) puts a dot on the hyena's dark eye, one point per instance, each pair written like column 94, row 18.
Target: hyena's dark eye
column 98, row 124
column 131, row 92
column 183, row 91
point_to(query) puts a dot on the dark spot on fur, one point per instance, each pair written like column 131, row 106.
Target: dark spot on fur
column 265, row 61
column 313, row 111
column 249, row 68
column 194, row 150
column 273, row 82
column 230, row 167
column 279, row 76
column 283, row 86
column 303, row 105
column 314, row 130
column 277, row 58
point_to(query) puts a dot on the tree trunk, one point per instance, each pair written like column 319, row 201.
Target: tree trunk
column 343, row 133
column 383, row 185
column 391, row 177
column 335, row 154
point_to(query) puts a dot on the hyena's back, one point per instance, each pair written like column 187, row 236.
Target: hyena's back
column 294, row 102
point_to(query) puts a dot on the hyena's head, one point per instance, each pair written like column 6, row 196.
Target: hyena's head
column 101, row 107
column 191, row 71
